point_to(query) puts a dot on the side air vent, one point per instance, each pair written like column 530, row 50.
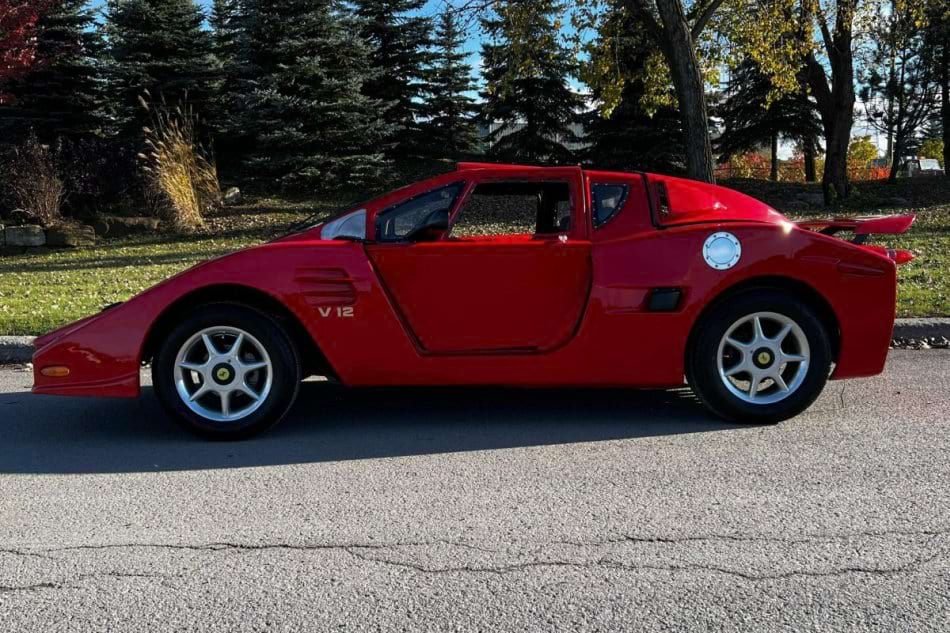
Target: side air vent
column 326, row 286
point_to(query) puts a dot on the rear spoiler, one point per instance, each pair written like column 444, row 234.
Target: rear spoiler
column 864, row 227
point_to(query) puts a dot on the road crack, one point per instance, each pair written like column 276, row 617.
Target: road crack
column 370, row 553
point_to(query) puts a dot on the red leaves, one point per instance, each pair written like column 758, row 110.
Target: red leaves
column 18, row 21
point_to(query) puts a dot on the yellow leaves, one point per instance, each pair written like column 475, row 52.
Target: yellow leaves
column 657, row 82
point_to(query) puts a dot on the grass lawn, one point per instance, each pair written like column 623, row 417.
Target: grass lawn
column 41, row 292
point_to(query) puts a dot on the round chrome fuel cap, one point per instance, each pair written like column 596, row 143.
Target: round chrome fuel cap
column 722, row 250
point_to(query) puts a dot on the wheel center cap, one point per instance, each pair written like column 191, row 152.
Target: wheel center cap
column 223, row 374
column 763, row 358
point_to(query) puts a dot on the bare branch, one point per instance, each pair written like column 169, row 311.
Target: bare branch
column 703, row 18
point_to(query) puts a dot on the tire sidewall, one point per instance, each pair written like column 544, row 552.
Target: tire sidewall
column 703, row 373
column 285, row 366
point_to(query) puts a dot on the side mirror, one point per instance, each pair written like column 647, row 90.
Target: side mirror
column 432, row 228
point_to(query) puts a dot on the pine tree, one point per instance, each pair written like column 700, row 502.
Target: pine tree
column 750, row 121
column 60, row 96
column 635, row 128
column 399, row 44
column 632, row 139
column 449, row 129
column 158, row 46
column 229, row 45
column 312, row 125
column 528, row 104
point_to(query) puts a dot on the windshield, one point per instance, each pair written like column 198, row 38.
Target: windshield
column 323, row 216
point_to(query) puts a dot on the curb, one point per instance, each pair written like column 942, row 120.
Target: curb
column 19, row 349
column 922, row 328
column 16, row 349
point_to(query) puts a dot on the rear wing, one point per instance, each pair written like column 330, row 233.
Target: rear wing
column 863, row 228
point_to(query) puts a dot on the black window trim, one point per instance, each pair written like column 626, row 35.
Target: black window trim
column 623, row 201
column 460, row 184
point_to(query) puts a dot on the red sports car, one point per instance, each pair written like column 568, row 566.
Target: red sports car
column 506, row 275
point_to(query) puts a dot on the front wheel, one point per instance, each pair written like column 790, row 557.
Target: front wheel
column 227, row 372
column 760, row 357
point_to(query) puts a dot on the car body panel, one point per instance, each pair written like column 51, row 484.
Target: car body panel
column 566, row 309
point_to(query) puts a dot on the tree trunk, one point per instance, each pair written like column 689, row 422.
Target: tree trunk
column 834, row 179
column 680, row 53
column 808, row 152
column 773, row 171
column 945, row 107
column 896, row 161
column 835, row 101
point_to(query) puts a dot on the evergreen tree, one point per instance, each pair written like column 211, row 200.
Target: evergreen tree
column 528, row 104
column 399, row 44
column 750, row 121
column 229, row 44
column 634, row 129
column 311, row 123
column 159, row 46
column 633, row 139
column 227, row 23
column 60, row 97
column 449, row 129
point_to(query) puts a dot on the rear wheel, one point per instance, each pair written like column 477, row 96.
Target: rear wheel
column 227, row 372
column 762, row 356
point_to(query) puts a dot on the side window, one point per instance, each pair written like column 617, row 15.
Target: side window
column 515, row 208
column 398, row 221
column 607, row 201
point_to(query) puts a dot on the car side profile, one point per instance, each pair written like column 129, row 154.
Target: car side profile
column 506, row 275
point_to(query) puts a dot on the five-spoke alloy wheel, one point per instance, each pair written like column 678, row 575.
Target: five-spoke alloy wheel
column 761, row 356
column 223, row 373
column 228, row 371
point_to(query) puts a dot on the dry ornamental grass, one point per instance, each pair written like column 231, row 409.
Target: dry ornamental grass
column 180, row 172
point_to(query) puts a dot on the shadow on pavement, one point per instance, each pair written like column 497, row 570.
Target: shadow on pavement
column 329, row 423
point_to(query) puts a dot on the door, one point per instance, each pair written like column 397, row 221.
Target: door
column 513, row 274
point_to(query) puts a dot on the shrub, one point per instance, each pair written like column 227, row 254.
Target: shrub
column 34, row 181
column 180, row 173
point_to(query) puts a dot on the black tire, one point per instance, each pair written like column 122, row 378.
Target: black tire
column 702, row 371
column 285, row 364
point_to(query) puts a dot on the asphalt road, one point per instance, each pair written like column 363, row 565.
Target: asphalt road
column 483, row 509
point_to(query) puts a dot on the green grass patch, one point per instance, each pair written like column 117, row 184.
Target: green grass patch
column 924, row 284
column 39, row 292
column 43, row 291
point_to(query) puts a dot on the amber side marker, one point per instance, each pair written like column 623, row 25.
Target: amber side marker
column 55, row 371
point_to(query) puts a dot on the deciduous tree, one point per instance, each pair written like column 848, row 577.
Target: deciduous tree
column 62, row 95
column 18, row 21
column 899, row 92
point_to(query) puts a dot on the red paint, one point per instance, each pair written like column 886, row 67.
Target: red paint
column 567, row 309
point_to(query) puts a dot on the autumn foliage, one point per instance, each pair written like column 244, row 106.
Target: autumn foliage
column 18, row 20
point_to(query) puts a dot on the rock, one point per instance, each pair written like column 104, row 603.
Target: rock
column 21, row 216
column 29, row 235
column 232, row 197
column 71, row 235
column 120, row 226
